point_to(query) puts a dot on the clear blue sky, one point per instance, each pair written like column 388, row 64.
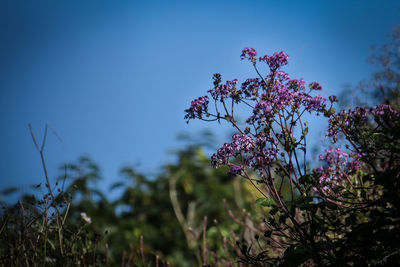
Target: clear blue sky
column 113, row 77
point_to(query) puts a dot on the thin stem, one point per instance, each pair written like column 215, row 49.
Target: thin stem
column 305, row 142
column 40, row 150
column 251, row 181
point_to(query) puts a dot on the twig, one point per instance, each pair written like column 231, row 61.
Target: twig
column 40, row 150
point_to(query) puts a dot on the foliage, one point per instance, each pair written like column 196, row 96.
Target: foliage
column 159, row 219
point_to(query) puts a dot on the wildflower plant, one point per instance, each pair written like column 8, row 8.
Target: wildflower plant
column 326, row 206
column 268, row 144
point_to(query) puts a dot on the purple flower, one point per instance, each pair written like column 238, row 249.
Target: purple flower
column 241, row 144
column 221, row 91
column 222, row 156
column 316, row 103
column 385, row 115
column 282, row 75
column 347, row 119
column 297, row 85
column 276, row 61
column 236, row 170
column 197, row 108
column 339, row 164
column 250, row 87
column 249, row 53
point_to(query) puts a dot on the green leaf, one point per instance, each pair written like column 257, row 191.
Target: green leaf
column 266, row 202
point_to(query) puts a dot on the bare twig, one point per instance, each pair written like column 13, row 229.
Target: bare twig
column 40, row 149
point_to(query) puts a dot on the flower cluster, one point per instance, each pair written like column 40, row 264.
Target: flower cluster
column 276, row 61
column 249, row 53
column 345, row 120
column 315, row 86
column 241, row 144
column 316, row 103
column 221, row 91
column 251, row 87
column 262, row 112
column 281, row 75
column 297, row 85
column 281, row 96
column 353, row 119
column 253, row 154
column 197, row 108
column 339, row 164
column 261, row 160
column 386, row 115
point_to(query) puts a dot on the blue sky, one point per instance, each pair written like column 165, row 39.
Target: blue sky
column 114, row 77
